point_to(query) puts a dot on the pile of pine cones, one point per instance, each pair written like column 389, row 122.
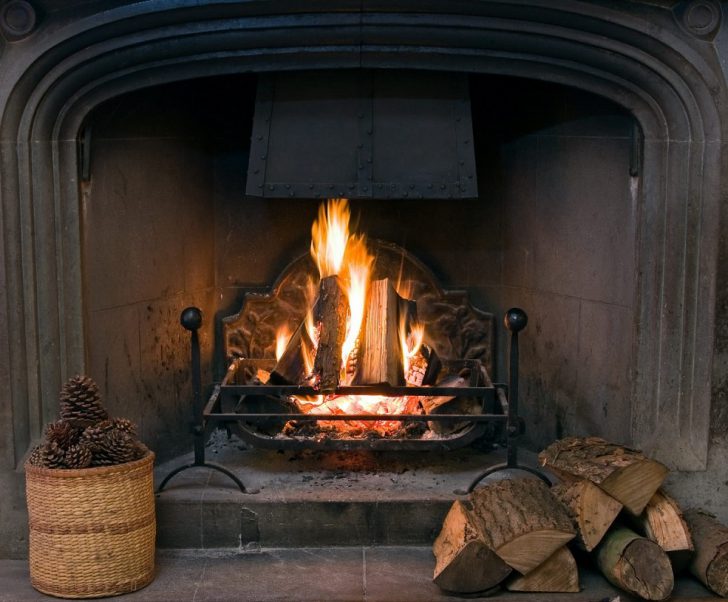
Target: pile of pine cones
column 85, row 435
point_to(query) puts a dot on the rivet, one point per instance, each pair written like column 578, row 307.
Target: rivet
column 442, row 186
column 271, row 187
column 470, row 176
column 429, row 187
column 369, row 132
column 310, row 186
column 262, row 157
column 405, row 193
column 360, row 146
column 369, row 160
column 288, row 186
column 351, row 186
column 331, row 186
column 365, row 188
column 412, row 186
column 291, row 193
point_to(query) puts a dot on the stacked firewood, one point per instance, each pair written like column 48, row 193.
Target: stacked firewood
column 608, row 504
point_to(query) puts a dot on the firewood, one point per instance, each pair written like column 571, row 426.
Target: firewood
column 331, row 313
column 450, row 404
column 558, row 574
column 521, row 521
column 291, row 367
column 663, row 523
column 424, row 367
column 380, row 353
column 590, row 508
column 710, row 563
column 464, row 562
column 635, row 564
column 625, row 474
column 514, row 523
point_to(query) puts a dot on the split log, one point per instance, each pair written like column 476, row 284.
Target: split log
column 635, row 564
column 424, row 368
column 331, row 313
column 625, row 474
column 521, row 521
column 291, row 367
column 663, row 522
column 558, row 574
column 464, row 562
column 450, row 404
column 710, row 563
column 514, row 523
column 591, row 509
column 380, row 354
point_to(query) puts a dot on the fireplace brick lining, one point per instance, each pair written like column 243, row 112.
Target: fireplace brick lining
column 670, row 82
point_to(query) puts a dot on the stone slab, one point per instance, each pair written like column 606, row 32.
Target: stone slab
column 376, row 574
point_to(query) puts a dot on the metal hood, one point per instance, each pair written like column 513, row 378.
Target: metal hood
column 362, row 134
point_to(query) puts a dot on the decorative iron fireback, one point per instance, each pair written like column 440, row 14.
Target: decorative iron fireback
column 362, row 134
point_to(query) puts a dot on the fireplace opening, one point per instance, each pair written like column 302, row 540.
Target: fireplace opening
column 167, row 224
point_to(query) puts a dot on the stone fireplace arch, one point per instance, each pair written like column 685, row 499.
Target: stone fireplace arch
column 656, row 62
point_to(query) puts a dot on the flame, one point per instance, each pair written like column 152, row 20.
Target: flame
column 411, row 342
column 358, row 267
column 282, row 337
column 329, row 236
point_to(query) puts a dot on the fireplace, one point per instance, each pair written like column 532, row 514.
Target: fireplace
column 598, row 149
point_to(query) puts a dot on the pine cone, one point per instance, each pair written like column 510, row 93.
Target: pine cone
column 115, row 447
column 124, row 425
column 54, row 456
column 81, row 402
column 95, row 435
column 78, row 456
column 63, row 433
column 37, row 456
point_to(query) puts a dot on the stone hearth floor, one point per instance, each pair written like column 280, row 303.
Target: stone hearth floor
column 398, row 574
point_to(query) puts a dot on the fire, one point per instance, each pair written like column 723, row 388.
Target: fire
column 282, row 337
column 358, row 271
column 329, row 236
column 411, row 342
column 337, row 252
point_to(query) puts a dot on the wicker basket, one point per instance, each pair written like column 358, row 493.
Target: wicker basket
column 92, row 530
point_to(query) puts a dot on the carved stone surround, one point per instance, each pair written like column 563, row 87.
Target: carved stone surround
column 60, row 61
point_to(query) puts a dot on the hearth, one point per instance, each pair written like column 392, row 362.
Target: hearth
column 359, row 360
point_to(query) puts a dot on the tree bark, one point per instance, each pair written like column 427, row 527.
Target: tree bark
column 331, row 313
column 625, row 474
column 521, row 521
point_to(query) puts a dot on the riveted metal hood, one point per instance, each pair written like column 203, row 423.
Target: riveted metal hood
column 362, row 134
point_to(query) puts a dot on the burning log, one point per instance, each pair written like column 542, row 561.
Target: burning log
column 331, row 313
column 516, row 522
column 380, row 354
column 424, row 367
column 557, row 574
column 291, row 368
column 591, row 510
column 625, row 474
column 710, row 564
column 635, row 564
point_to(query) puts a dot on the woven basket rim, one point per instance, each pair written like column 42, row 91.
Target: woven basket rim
column 94, row 471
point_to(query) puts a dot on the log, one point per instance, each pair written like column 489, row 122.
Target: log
column 450, row 404
column 625, row 474
column 424, row 368
column 635, row 564
column 710, row 563
column 464, row 563
column 331, row 313
column 521, row 521
column 662, row 522
column 591, row 510
column 558, row 574
column 291, row 367
column 380, row 354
